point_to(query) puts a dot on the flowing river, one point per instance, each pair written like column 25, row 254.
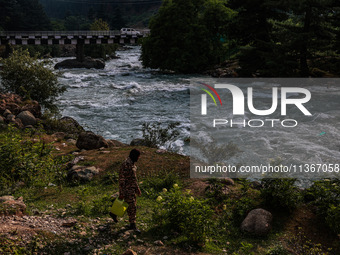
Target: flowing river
column 116, row 101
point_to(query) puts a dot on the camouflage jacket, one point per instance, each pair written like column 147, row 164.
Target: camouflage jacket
column 127, row 178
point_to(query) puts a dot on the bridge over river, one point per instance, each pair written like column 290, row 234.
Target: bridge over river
column 78, row 38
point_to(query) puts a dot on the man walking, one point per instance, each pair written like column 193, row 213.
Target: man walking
column 128, row 187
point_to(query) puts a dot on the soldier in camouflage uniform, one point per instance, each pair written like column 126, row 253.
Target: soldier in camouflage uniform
column 128, row 186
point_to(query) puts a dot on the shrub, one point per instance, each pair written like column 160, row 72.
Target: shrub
column 151, row 186
column 30, row 78
column 326, row 196
column 155, row 135
column 280, row 193
column 182, row 213
column 102, row 205
column 27, row 159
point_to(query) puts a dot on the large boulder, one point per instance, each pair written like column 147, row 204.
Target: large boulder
column 82, row 173
column 27, row 118
column 33, row 107
column 87, row 63
column 257, row 222
column 90, row 141
column 69, row 126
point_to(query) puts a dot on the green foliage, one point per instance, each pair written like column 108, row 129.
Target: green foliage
column 30, row 78
column 102, row 205
column 216, row 190
column 152, row 185
column 96, row 207
column 326, row 196
column 155, row 135
column 192, row 217
column 240, row 208
column 185, row 36
column 280, row 193
column 277, row 250
column 28, row 159
column 302, row 245
column 245, row 249
column 99, row 25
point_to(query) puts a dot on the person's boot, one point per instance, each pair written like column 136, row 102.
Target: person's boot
column 134, row 227
column 114, row 217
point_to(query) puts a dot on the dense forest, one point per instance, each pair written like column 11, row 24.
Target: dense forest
column 28, row 15
column 267, row 38
column 77, row 14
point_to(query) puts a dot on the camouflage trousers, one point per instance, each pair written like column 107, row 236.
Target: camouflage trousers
column 130, row 198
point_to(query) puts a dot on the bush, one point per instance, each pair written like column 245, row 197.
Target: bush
column 27, row 159
column 326, row 196
column 151, row 186
column 180, row 212
column 280, row 193
column 154, row 135
column 30, row 78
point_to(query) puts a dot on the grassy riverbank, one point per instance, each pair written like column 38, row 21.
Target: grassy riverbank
column 76, row 219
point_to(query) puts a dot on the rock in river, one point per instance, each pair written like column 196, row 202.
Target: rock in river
column 87, row 63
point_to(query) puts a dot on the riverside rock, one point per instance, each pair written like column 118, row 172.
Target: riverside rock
column 15, row 104
column 87, row 63
column 257, row 222
column 81, row 173
column 90, row 141
column 27, row 118
column 67, row 125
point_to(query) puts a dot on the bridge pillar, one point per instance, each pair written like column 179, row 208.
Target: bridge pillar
column 80, row 51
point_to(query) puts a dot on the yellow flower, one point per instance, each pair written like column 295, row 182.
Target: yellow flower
column 159, row 198
column 175, row 186
column 224, row 207
column 165, row 190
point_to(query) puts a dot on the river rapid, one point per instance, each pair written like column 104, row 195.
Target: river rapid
column 117, row 100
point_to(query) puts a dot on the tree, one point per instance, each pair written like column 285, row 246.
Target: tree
column 283, row 38
column 181, row 37
column 99, row 25
column 30, row 78
column 117, row 20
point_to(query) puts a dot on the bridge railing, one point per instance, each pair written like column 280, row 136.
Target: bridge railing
column 65, row 33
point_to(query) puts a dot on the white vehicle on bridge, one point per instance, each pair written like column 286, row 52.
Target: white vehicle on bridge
column 129, row 31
